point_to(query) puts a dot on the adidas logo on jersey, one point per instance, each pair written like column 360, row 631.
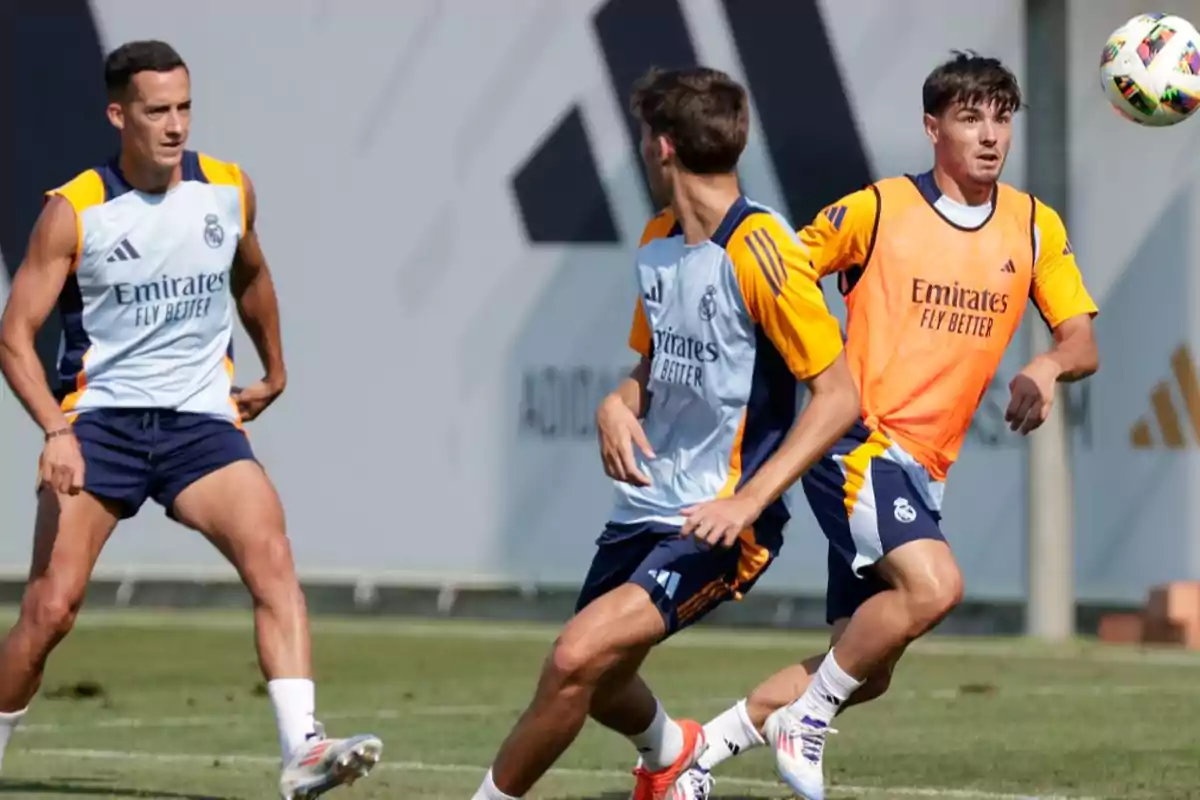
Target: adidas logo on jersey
column 1165, row 411
column 655, row 293
column 835, row 215
column 1009, row 267
column 124, row 251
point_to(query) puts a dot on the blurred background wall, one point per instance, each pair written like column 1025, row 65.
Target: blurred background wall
column 449, row 196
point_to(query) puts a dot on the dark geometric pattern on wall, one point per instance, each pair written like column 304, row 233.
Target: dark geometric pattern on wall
column 57, row 126
column 790, row 69
column 559, row 191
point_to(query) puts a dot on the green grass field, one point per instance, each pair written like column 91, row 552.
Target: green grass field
column 171, row 705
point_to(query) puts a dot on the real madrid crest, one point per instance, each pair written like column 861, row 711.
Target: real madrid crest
column 214, row 234
column 708, row 304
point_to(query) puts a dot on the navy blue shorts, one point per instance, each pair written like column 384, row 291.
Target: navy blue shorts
column 867, row 505
column 134, row 454
column 685, row 578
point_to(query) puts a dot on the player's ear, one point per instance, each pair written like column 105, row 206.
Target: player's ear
column 116, row 115
column 666, row 149
column 931, row 128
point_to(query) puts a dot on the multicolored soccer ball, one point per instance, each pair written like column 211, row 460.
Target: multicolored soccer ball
column 1150, row 69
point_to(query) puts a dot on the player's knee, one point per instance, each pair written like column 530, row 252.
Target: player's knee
column 275, row 554
column 575, row 662
column 584, row 653
column 935, row 594
column 49, row 609
column 268, row 565
column 602, row 636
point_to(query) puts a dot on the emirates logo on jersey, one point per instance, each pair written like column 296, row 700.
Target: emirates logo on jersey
column 954, row 308
column 170, row 298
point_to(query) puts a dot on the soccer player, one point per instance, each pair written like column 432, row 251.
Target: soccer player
column 700, row 437
column 146, row 258
column 936, row 270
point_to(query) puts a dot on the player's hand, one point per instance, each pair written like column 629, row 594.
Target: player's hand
column 619, row 430
column 61, row 465
column 1032, row 395
column 254, row 399
column 720, row 522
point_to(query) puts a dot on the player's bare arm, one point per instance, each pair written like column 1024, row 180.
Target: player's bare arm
column 258, row 307
column 833, row 407
column 35, row 290
column 618, row 426
column 1073, row 357
column 1074, row 354
column 1064, row 302
column 632, row 392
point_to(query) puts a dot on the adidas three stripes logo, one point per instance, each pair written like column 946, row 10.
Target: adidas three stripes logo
column 125, row 251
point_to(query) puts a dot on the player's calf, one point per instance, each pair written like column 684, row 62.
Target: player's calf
column 925, row 585
column 69, row 534
column 790, row 683
column 740, row 728
column 612, row 632
column 237, row 509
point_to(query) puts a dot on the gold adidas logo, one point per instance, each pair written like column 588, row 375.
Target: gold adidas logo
column 1183, row 369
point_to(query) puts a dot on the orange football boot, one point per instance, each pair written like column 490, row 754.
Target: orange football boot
column 660, row 785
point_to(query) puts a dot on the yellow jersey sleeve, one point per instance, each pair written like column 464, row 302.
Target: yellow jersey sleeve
column 779, row 286
column 639, row 332
column 841, row 235
column 658, row 227
column 1058, row 288
column 85, row 191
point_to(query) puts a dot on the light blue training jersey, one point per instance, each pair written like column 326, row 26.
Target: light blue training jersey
column 730, row 325
column 148, row 311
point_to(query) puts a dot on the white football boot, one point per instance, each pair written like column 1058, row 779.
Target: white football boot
column 798, row 740
column 695, row 784
column 321, row 764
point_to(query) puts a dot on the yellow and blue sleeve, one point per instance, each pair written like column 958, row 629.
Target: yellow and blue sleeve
column 779, row 286
column 840, row 236
column 223, row 173
column 1058, row 288
column 639, row 333
column 82, row 192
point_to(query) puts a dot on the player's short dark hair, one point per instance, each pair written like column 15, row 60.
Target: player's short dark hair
column 704, row 112
column 971, row 79
column 133, row 57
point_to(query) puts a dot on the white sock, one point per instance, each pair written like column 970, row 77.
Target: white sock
column 8, row 723
column 661, row 744
column 728, row 735
column 829, row 689
column 294, row 700
column 488, row 790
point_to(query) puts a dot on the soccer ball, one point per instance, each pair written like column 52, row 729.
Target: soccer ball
column 1150, row 69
